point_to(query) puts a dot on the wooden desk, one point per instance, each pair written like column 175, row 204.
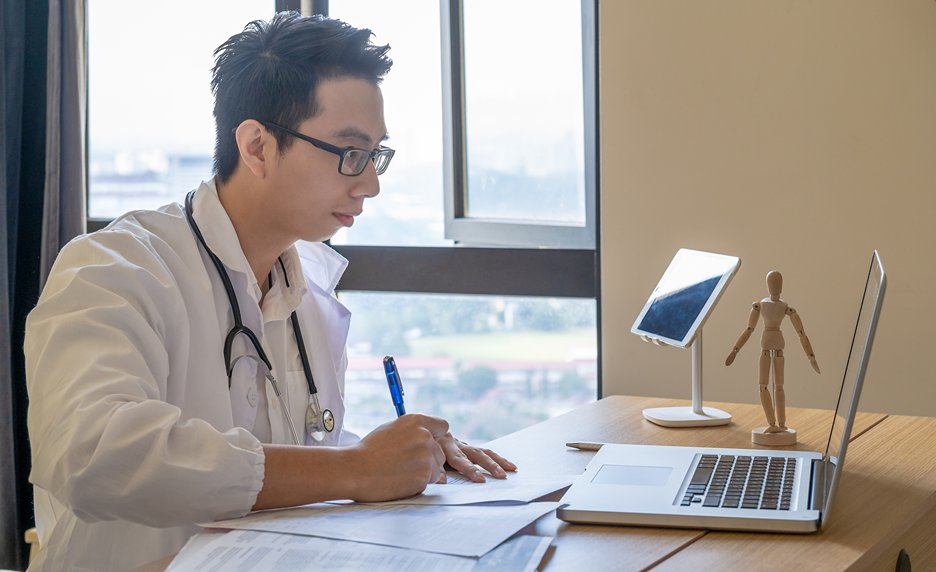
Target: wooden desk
column 886, row 499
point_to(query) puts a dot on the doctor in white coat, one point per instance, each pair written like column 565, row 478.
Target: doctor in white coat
column 140, row 425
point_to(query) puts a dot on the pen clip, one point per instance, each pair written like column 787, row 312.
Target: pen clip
column 390, row 369
column 395, row 384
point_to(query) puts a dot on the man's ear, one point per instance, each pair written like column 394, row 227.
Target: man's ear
column 256, row 146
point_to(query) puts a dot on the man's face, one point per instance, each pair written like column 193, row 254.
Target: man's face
column 313, row 200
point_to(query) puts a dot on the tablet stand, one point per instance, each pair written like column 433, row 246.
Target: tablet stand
column 695, row 416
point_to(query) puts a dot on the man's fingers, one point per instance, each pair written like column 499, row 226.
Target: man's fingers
column 492, row 467
column 507, row 465
column 464, row 466
column 489, row 460
column 458, row 461
column 438, row 455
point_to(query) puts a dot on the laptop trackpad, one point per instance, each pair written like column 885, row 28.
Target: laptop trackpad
column 633, row 475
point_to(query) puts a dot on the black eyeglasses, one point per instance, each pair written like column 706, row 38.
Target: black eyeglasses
column 352, row 161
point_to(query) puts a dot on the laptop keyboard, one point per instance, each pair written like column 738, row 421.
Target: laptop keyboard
column 730, row 481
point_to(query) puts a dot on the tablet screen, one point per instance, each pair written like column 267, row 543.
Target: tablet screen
column 685, row 295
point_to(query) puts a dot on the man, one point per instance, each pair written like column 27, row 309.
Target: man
column 180, row 361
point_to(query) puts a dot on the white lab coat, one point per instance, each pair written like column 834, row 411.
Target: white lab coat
column 135, row 435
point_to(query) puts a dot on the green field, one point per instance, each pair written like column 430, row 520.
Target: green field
column 518, row 346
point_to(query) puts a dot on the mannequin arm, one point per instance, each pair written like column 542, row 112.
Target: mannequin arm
column 801, row 332
column 746, row 334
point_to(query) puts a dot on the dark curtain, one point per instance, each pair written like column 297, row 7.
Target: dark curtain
column 23, row 57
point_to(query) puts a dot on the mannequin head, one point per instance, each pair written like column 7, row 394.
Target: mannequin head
column 774, row 284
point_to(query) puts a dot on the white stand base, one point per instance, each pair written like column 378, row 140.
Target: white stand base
column 695, row 416
column 783, row 438
column 686, row 417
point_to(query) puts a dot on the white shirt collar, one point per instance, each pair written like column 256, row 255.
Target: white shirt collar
column 323, row 266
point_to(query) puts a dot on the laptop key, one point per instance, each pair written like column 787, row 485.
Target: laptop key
column 712, row 500
column 701, row 476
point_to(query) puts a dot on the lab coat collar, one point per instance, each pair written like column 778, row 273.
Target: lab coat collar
column 218, row 230
column 323, row 267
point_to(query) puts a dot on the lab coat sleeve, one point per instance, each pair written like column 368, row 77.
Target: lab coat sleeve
column 104, row 441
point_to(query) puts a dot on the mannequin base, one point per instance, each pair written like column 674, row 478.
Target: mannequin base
column 786, row 437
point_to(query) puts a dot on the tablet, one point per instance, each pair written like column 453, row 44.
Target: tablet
column 684, row 298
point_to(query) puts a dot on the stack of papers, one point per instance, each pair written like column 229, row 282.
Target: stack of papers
column 515, row 489
column 455, row 526
column 459, row 530
column 268, row 552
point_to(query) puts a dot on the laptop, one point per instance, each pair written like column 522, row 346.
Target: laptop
column 730, row 489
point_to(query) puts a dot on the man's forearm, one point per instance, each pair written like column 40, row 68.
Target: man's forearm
column 301, row 475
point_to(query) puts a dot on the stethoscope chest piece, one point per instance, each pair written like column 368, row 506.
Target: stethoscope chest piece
column 318, row 421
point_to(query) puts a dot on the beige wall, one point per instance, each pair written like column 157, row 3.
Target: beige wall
column 798, row 135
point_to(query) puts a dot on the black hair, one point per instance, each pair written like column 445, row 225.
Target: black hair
column 270, row 72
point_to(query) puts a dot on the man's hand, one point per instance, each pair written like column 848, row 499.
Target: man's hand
column 466, row 459
column 398, row 459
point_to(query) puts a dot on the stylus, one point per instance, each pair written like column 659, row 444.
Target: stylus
column 583, row 446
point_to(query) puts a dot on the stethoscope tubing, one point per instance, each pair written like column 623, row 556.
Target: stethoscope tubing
column 240, row 328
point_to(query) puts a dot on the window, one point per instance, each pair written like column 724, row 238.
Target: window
column 150, row 124
column 488, row 332
column 409, row 211
column 492, row 336
column 524, row 145
column 521, row 164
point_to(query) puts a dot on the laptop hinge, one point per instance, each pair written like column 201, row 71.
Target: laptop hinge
column 817, row 484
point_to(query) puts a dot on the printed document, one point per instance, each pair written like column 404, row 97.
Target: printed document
column 459, row 530
column 268, row 552
column 516, row 488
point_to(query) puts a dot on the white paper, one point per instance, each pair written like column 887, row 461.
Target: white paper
column 516, row 488
column 268, row 552
column 459, row 530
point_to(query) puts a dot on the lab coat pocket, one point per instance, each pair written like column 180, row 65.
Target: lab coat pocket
column 244, row 394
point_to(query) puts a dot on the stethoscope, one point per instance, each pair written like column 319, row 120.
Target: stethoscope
column 318, row 420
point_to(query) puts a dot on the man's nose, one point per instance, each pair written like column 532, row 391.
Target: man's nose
column 369, row 183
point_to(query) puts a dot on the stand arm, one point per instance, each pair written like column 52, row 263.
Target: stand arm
column 697, row 415
column 697, row 374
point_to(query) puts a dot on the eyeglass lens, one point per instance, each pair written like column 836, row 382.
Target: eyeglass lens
column 355, row 160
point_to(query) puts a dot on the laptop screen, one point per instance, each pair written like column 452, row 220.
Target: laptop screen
column 855, row 368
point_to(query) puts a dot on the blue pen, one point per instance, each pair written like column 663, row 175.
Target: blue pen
column 395, row 383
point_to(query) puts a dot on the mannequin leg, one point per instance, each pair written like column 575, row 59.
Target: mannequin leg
column 779, row 394
column 766, row 401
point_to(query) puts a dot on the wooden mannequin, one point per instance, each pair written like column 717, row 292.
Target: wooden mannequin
column 773, row 309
